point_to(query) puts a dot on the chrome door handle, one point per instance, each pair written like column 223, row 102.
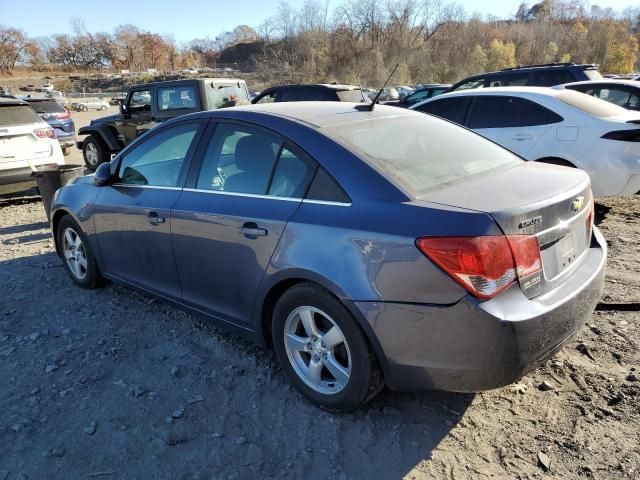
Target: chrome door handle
column 251, row 229
column 154, row 219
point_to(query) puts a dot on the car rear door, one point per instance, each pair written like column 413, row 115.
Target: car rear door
column 515, row 123
column 229, row 218
column 133, row 215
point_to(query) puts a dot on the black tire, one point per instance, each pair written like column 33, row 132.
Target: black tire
column 365, row 379
column 103, row 107
column 92, row 277
column 84, row 108
column 66, row 151
column 102, row 153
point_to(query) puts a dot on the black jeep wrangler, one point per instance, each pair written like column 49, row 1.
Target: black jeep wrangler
column 147, row 105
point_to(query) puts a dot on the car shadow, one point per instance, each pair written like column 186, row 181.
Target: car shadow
column 240, row 418
column 23, row 228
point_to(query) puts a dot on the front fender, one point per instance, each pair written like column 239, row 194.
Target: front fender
column 105, row 132
column 76, row 199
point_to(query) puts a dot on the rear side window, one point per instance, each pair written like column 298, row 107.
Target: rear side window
column 618, row 96
column 505, row 112
column 351, row 96
column 591, row 105
column 510, row 80
column 176, row 98
column 453, row 109
column 470, row 84
column 47, row 106
column 242, row 159
column 268, row 97
column 11, row 115
column 325, row 188
column 231, row 94
column 549, row 78
column 420, row 153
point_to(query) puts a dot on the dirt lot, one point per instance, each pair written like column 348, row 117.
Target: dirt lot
column 111, row 384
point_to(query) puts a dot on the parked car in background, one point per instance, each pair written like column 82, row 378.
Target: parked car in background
column 321, row 92
column 47, row 87
column 389, row 94
column 149, row 104
column 624, row 93
column 87, row 104
column 404, row 90
column 297, row 220
column 420, row 94
column 557, row 126
column 58, row 118
column 5, row 90
column 26, row 142
column 57, row 96
column 545, row 75
column 29, row 88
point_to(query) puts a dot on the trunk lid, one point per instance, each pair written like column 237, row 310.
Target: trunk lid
column 553, row 203
column 19, row 143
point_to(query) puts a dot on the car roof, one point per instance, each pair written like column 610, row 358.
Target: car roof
column 632, row 83
column 317, row 114
column 546, row 91
column 333, row 86
column 11, row 101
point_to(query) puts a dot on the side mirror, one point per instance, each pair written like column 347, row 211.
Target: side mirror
column 102, row 176
column 403, row 96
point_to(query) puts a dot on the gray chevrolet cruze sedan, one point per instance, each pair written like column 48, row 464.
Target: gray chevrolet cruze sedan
column 366, row 247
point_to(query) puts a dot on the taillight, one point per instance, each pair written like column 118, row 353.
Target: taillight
column 485, row 265
column 64, row 116
column 45, row 133
column 623, row 135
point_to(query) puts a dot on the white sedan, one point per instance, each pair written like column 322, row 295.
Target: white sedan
column 26, row 142
column 88, row 103
column 553, row 125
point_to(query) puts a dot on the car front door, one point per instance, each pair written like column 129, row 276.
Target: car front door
column 229, row 219
column 138, row 116
column 515, row 123
column 133, row 215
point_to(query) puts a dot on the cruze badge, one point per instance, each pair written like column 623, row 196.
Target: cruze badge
column 577, row 204
column 530, row 221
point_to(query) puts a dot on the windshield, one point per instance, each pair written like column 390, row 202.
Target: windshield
column 355, row 95
column 11, row 115
column 591, row 105
column 420, row 153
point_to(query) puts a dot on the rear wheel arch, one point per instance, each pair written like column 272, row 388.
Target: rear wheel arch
column 556, row 161
column 278, row 289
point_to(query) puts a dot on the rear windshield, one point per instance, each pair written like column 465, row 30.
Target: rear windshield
column 229, row 94
column 591, row 105
column 420, row 153
column 11, row 115
column 48, row 106
column 351, row 96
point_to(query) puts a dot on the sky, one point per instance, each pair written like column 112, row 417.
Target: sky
column 186, row 19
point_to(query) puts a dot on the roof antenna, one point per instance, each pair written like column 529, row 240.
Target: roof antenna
column 370, row 106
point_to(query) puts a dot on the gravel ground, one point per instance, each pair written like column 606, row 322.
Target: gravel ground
column 115, row 385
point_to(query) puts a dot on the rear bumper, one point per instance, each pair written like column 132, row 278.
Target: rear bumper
column 16, row 175
column 473, row 346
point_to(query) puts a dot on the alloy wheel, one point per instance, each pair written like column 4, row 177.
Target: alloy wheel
column 317, row 349
column 75, row 254
column 91, row 153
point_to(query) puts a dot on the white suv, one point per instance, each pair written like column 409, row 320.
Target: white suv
column 26, row 142
column 553, row 125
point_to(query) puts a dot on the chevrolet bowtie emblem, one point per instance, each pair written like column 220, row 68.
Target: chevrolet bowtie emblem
column 577, row 204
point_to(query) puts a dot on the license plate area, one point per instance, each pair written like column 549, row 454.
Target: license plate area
column 562, row 254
